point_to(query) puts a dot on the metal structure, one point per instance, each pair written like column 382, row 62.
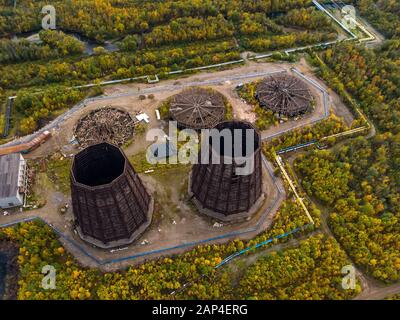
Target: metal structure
column 197, row 108
column 217, row 189
column 106, row 124
column 110, row 203
column 284, row 94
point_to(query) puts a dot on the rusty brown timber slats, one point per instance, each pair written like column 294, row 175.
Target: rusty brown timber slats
column 284, row 94
column 107, row 124
column 219, row 189
column 197, row 108
column 108, row 208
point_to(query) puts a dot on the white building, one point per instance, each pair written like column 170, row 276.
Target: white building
column 12, row 180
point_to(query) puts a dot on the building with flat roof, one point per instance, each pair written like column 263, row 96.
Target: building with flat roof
column 12, row 180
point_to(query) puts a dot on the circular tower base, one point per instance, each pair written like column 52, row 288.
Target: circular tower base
column 122, row 242
column 285, row 95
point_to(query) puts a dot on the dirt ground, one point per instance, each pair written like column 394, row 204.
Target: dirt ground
column 175, row 222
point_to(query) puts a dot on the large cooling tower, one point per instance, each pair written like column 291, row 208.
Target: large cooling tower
column 220, row 190
column 110, row 203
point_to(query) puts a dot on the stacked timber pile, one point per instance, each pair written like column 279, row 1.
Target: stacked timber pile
column 105, row 125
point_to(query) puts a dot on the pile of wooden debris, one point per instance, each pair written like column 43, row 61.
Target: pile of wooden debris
column 105, row 124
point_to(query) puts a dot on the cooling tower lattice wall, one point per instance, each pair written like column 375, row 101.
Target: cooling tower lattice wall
column 110, row 203
column 218, row 190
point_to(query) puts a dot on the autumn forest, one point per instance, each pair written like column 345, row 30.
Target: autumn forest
column 351, row 186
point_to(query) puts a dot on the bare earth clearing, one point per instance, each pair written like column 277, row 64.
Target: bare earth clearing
column 176, row 224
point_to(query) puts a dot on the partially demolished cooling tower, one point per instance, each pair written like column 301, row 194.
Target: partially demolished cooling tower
column 220, row 190
column 197, row 108
column 110, row 203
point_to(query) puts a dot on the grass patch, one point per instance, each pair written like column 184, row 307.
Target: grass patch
column 58, row 171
